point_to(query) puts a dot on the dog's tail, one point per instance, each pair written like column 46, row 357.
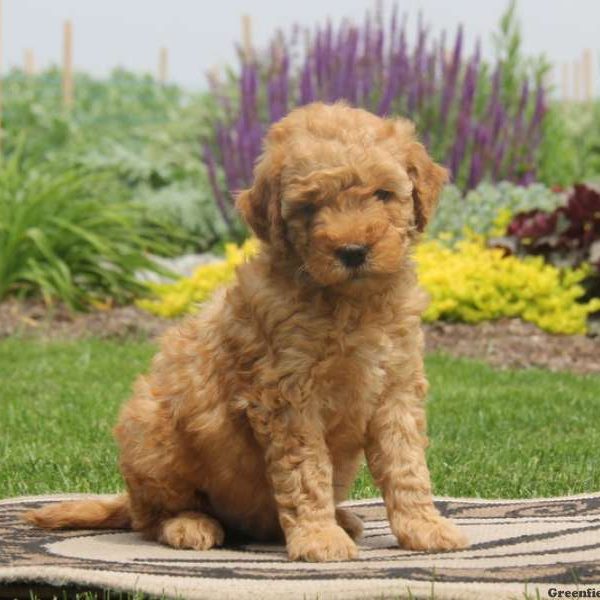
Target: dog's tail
column 105, row 513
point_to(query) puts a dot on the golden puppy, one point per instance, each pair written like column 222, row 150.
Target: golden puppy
column 257, row 411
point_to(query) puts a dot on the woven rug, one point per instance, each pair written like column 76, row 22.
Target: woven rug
column 520, row 549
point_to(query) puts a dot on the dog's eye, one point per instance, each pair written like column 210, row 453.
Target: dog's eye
column 384, row 195
column 308, row 210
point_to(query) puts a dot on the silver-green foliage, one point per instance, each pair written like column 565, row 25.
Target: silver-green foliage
column 483, row 208
column 188, row 205
column 171, row 185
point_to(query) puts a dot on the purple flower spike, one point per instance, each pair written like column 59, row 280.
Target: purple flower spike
column 211, row 168
column 468, row 123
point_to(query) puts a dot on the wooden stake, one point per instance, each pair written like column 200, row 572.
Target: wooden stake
column 163, row 65
column 307, row 40
column 565, row 82
column 278, row 51
column 214, row 76
column 67, row 81
column 1, row 76
column 247, row 38
column 576, row 81
column 548, row 80
column 586, row 65
column 29, row 62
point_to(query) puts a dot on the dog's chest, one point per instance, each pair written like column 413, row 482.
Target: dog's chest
column 351, row 372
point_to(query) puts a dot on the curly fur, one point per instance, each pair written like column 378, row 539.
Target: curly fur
column 257, row 411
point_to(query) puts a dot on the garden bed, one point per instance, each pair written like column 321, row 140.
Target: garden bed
column 508, row 343
column 31, row 318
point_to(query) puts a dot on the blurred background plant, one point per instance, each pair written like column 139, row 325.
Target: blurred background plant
column 63, row 238
column 484, row 120
column 143, row 135
column 568, row 236
column 124, row 106
column 173, row 299
column 571, row 148
column 152, row 159
column 487, row 209
column 469, row 283
column 473, row 283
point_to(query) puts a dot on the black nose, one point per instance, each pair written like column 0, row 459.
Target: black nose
column 352, row 255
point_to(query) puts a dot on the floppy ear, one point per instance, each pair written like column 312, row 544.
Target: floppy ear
column 260, row 206
column 428, row 179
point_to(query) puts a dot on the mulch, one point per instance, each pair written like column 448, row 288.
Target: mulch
column 506, row 343
column 34, row 319
column 512, row 343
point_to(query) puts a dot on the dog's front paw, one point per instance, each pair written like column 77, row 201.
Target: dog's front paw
column 320, row 544
column 431, row 534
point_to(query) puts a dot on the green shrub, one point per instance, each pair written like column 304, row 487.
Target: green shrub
column 580, row 149
column 61, row 237
column 189, row 206
column 559, row 161
column 143, row 137
column 119, row 107
column 171, row 185
column 570, row 148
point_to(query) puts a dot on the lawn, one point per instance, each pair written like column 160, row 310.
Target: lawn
column 493, row 433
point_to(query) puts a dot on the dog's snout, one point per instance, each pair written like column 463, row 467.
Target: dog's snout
column 352, row 255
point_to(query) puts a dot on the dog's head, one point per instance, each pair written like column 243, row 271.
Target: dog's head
column 343, row 191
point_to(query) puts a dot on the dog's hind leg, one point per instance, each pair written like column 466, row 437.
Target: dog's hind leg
column 180, row 520
column 191, row 530
column 352, row 524
column 346, row 463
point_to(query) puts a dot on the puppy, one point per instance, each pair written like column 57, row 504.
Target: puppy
column 258, row 411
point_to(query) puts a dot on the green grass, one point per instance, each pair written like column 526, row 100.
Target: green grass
column 493, row 433
column 520, row 434
column 58, row 403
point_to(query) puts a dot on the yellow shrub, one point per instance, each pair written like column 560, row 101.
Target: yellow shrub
column 501, row 222
column 469, row 283
column 472, row 283
column 173, row 299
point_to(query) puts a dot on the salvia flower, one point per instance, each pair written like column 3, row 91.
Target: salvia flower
column 465, row 119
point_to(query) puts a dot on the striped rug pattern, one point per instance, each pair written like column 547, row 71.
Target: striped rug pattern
column 520, row 549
